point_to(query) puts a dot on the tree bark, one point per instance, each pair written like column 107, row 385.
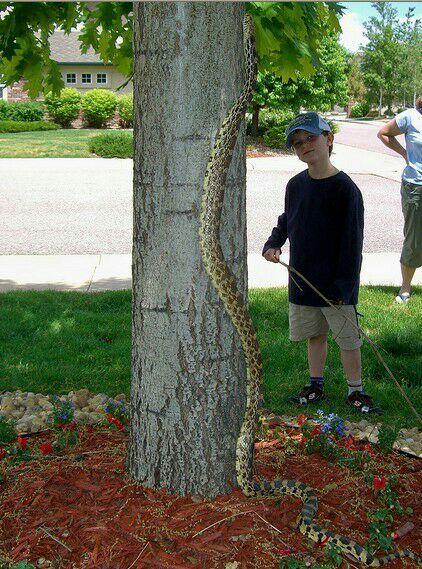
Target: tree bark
column 188, row 371
column 255, row 120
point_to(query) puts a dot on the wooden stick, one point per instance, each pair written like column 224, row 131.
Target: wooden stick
column 223, row 520
column 54, row 538
column 141, row 552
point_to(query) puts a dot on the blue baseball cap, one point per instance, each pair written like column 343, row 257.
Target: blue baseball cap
column 311, row 122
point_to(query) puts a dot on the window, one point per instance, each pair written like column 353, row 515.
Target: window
column 86, row 78
column 70, row 78
column 102, row 78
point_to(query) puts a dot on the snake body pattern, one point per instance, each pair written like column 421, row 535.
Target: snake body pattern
column 226, row 288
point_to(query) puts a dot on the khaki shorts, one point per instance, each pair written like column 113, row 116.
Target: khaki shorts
column 309, row 321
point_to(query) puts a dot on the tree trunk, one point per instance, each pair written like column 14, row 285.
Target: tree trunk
column 255, row 120
column 380, row 103
column 188, row 371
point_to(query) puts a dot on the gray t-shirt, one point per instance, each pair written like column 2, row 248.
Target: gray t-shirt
column 410, row 123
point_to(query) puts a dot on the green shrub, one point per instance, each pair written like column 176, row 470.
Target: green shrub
column 98, row 106
column 25, row 111
column 125, row 110
column 273, row 118
column 360, row 109
column 334, row 126
column 275, row 137
column 4, row 109
column 64, row 109
column 112, row 145
column 20, row 126
column 269, row 118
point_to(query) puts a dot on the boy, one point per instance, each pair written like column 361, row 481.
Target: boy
column 323, row 220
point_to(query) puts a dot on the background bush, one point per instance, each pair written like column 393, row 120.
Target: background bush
column 98, row 106
column 4, row 109
column 27, row 111
column 112, row 145
column 21, row 126
column 268, row 119
column 275, row 137
column 360, row 109
column 125, row 109
column 64, row 108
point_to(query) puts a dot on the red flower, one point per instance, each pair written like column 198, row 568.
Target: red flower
column 316, row 430
column 322, row 542
column 301, row 419
column 380, row 482
column 22, row 443
column 116, row 422
column 46, row 448
column 368, row 448
column 2, row 453
column 349, row 443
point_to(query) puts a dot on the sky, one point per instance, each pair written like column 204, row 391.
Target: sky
column 359, row 12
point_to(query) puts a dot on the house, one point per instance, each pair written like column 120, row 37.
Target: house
column 82, row 71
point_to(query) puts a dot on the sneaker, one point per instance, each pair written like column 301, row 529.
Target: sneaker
column 403, row 298
column 309, row 394
column 362, row 402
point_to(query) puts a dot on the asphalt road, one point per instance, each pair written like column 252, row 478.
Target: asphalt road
column 84, row 206
column 364, row 136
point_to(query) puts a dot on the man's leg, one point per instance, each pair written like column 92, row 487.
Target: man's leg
column 317, row 355
column 407, row 275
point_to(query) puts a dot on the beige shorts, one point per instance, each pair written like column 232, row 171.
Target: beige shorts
column 309, row 321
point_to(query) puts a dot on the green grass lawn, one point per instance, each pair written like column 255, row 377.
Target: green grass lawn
column 64, row 143
column 53, row 342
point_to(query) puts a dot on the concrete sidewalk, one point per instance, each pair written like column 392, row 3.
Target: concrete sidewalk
column 113, row 272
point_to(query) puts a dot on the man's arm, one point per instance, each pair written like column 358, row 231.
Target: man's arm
column 387, row 134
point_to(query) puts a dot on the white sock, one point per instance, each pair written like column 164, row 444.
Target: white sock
column 353, row 388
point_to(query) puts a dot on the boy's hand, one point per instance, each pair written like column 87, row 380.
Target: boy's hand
column 272, row 255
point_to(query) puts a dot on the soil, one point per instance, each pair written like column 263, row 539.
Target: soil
column 78, row 509
column 256, row 148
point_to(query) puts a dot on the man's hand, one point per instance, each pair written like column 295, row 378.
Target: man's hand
column 272, row 255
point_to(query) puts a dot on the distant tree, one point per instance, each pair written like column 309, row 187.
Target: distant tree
column 355, row 79
column 410, row 61
column 381, row 56
column 326, row 86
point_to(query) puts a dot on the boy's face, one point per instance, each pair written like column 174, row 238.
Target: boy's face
column 311, row 148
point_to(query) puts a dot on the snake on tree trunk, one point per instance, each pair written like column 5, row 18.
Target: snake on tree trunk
column 226, row 287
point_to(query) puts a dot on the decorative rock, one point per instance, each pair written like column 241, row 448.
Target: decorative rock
column 81, row 397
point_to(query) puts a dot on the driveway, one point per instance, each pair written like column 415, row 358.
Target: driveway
column 84, row 206
column 363, row 136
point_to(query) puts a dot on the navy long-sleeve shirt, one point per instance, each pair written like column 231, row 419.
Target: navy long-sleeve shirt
column 323, row 220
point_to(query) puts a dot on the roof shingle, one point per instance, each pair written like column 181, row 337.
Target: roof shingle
column 65, row 49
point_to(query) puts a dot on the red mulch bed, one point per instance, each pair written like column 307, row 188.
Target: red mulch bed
column 83, row 499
